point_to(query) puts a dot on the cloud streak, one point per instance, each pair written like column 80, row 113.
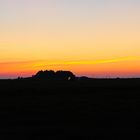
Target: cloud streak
column 82, row 62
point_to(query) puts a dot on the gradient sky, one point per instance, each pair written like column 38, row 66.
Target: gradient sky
column 98, row 38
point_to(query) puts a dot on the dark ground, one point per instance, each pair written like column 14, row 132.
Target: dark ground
column 88, row 109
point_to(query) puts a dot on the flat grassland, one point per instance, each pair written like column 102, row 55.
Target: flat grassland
column 90, row 109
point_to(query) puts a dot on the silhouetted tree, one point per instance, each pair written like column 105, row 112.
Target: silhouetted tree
column 51, row 75
column 39, row 75
column 45, row 75
column 65, row 75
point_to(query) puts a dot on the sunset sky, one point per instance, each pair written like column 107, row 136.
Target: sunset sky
column 96, row 38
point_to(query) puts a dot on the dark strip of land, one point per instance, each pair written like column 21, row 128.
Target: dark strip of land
column 87, row 108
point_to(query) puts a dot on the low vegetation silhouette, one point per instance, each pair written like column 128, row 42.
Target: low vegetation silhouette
column 52, row 75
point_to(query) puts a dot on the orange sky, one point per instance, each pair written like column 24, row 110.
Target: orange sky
column 93, row 38
column 121, row 67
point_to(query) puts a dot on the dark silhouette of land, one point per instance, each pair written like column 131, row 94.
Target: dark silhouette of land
column 59, row 105
column 51, row 75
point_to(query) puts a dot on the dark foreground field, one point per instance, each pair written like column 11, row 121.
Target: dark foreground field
column 89, row 109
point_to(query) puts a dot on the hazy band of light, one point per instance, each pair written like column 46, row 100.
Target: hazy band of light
column 97, row 68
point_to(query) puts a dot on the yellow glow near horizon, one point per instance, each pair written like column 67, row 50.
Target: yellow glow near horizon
column 97, row 68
